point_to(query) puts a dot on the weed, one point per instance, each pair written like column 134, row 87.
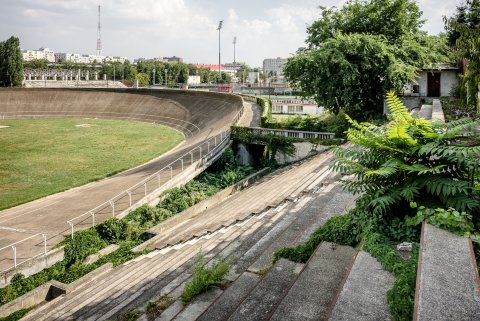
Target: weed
column 204, row 277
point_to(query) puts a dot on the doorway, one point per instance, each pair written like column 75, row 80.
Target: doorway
column 433, row 84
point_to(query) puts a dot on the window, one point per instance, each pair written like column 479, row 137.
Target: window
column 295, row 109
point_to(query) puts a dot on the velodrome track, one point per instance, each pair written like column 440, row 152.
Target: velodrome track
column 199, row 115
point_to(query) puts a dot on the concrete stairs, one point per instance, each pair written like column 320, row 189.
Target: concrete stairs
column 448, row 285
column 335, row 284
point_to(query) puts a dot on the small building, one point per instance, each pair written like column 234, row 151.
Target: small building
column 295, row 106
column 42, row 53
column 434, row 81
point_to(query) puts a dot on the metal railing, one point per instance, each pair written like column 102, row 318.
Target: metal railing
column 291, row 133
column 13, row 247
column 130, row 197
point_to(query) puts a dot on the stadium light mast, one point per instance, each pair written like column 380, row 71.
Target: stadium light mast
column 234, row 44
column 220, row 24
column 99, row 35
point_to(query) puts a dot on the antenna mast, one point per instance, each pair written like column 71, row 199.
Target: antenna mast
column 234, row 43
column 99, row 36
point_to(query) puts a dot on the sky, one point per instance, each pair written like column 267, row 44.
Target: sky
column 184, row 28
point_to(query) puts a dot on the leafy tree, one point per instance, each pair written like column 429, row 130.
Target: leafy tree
column 11, row 63
column 36, row 64
column 358, row 52
column 143, row 79
column 463, row 30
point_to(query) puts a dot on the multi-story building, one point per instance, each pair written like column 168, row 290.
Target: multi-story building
column 87, row 59
column 274, row 67
column 42, row 53
column 297, row 106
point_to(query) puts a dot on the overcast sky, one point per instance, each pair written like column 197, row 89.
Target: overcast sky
column 185, row 28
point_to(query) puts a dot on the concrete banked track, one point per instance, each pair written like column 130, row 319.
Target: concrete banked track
column 199, row 115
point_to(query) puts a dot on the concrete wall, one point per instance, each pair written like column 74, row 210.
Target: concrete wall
column 304, row 149
column 33, row 266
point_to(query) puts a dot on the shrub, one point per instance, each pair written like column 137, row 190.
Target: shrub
column 112, row 230
column 17, row 315
column 411, row 160
column 203, row 278
column 82, row 245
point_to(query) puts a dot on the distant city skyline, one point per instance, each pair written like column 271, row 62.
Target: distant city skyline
column 184, row 28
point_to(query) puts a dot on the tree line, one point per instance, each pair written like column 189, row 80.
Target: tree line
column 357, row 53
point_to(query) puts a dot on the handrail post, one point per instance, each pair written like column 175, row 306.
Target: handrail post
column 191, row 157
column 215, row 140
column 130, row 197
column 93, row 218
column 145, row 187
column 71, row 226
column 208, row 146
column 181, row 160
column 14, row 256
column 44, row 243
column 171, row 172
column 112, row 204
column 200, row 151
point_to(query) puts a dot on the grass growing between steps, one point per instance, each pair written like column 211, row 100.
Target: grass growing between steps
column 129, row 231
column 204, row 277
column 351, row 229
column 155, row 308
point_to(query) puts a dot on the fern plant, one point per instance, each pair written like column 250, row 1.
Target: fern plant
column 410, row 160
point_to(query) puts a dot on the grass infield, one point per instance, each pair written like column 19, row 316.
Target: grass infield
column 40, row 157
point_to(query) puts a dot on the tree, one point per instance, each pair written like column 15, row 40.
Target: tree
column 357, row 53
column 11, row 63
column 463, row 30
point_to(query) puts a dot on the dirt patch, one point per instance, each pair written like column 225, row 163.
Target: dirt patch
column 84, row 125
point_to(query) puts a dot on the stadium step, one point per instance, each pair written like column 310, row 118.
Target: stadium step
column 312, row 295
column 364, row 294
column 261, row 302
column 271, row 191
column 448, row 286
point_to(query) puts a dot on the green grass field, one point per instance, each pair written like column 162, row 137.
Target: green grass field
column 39, row 157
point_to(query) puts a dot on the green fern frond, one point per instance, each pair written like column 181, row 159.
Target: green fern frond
column 397, row 108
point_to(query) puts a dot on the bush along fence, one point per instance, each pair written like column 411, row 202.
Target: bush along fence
column 129, row 231
column 406, row 171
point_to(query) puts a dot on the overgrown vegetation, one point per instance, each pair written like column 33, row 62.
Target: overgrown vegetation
column 404, row 172
column 412, row 162
column 129, row 231
column 204, row 277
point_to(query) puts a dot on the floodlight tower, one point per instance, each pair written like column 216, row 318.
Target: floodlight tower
column 220, row 24
column 99, row 36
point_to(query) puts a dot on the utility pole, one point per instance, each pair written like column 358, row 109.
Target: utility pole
column 220, row 24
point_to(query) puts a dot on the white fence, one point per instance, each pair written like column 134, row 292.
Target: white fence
column 291, row 133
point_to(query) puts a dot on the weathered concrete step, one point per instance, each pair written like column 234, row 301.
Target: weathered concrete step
column 229, row 252
column 77, row 296
column 263, row 299
column 181, row 273
column 307, row 219
column 134, row 293
column 98, row 299
column 364, row 295
column 314, row 292
column 447, row 278
column 425, row 112
column 227, row 303
column 195, row 308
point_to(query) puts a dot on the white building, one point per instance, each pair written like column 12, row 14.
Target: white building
column 87, row 59
column 42, row 53
column 274, row 66
column 295, row 106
